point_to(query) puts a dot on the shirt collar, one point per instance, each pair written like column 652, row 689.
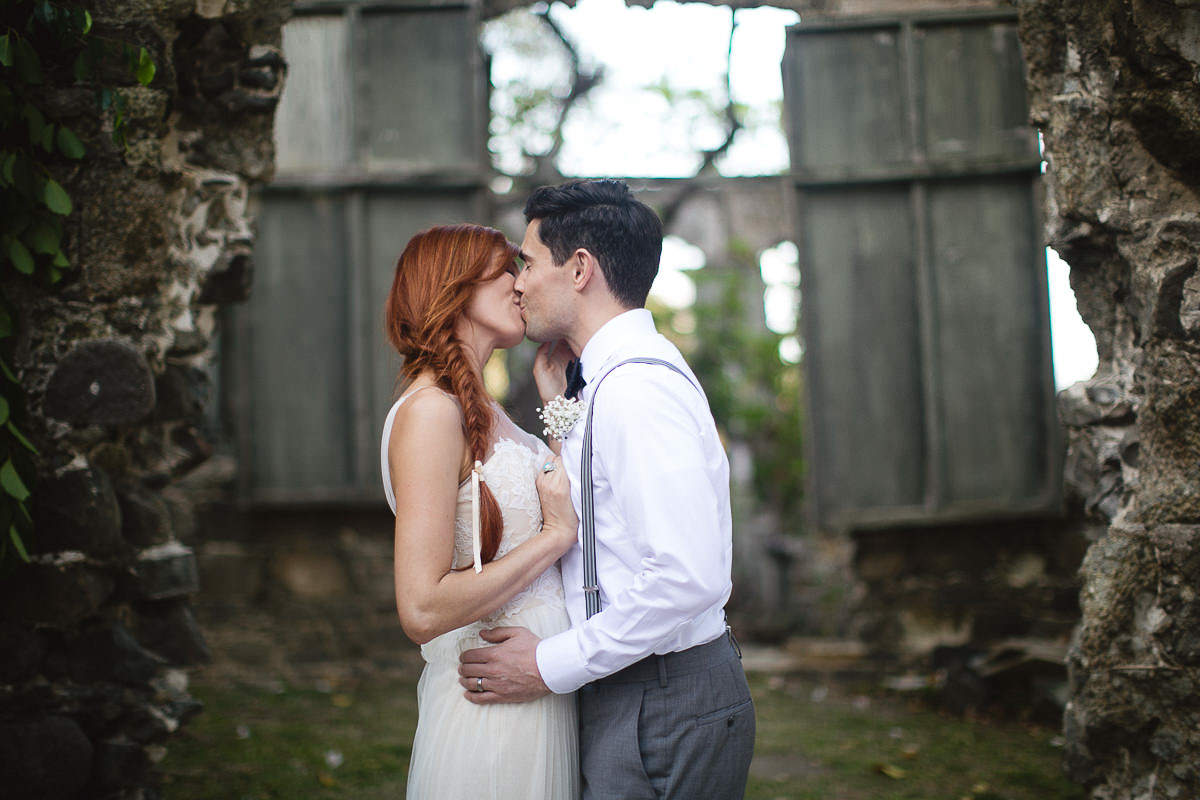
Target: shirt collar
column 608, row 340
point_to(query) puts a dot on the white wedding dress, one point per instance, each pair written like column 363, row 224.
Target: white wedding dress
column 523, row 751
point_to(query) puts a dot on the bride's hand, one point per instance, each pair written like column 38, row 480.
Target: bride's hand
column 558, row 514
column 549, row 369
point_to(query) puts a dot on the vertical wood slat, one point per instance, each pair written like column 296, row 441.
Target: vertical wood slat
column 421, row 119
column 862, row 300
column 365, row 462
column 926, row 305
column 313, row 121
column 298, row 335
column 864, row 83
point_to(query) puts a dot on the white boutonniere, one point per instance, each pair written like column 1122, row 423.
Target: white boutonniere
column 559, row 416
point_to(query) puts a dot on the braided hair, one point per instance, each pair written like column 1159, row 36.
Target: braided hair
column 436, row 277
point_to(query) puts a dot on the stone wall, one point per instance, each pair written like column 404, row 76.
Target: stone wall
column 1114, row 89
column 116, row 363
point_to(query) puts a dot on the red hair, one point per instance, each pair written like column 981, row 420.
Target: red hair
column 436, row 276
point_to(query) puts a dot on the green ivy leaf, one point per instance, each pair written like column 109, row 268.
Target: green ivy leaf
column 82, row 67
column 20, row 256
column 8, row 374
column 55, row 198
column 47, row 141
column 4, row 402
column 6, row 56
column 17, row 434
column 44, row 237
column 61, row 260
column 87, row 21
column 43, row 12
column 11, row 481
column 55, row 275
column 22, row 177
column 16, row 540
column 145, row 68
column 37, row 122
column 69, row 144
column 6, row 167
column 26, row 62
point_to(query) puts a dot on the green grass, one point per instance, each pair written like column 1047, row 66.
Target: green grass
column 258, row 743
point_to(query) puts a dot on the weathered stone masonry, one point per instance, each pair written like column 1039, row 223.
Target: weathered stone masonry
column 116, row 363
column 1114, row 88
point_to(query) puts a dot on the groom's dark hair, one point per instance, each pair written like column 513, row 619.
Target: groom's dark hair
column 604, row 218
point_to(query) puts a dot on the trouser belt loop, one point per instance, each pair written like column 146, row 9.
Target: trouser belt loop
column 662, row 671
column 733, row 640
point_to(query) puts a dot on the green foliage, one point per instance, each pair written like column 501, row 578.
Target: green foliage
column 42, row 42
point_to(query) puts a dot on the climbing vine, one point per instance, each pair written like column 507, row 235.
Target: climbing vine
column 42, row 44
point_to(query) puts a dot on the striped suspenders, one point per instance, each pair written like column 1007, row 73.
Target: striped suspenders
column 591, row 583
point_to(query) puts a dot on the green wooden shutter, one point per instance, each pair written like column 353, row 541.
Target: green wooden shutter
column 925, row 315
column 380, row 133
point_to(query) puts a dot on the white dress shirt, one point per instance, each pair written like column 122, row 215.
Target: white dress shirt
column 664, row 544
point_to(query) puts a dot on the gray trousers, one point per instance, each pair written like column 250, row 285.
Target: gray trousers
column 679, row 726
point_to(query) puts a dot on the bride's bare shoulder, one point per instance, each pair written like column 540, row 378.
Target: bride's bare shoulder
column 428, row 411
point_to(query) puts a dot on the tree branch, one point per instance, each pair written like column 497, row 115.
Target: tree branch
column 733, row 123
column 582, row 82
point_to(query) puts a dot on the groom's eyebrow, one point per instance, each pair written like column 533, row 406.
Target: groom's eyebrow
column 521, row 255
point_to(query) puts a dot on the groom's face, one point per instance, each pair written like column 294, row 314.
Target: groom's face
column 546, row 290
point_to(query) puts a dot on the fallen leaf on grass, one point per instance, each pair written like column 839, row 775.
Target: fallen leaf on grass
column 911, row 751
column 342, row 700
column 890, row 770
column 325, row 779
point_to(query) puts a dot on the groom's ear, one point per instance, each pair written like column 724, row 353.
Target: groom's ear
column 585, row 268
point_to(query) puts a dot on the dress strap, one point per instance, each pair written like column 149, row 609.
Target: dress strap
column 407, row 395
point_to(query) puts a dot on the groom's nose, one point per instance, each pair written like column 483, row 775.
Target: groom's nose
column 519, row 284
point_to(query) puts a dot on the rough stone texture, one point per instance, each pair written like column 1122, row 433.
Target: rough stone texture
column 984, row 610
column 116, row 363
column 1113, row 87
column 299, row 595
column 103, row 382
column 43, row 758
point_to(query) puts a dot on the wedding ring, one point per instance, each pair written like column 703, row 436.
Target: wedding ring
column 548, row 466
column 479, row 684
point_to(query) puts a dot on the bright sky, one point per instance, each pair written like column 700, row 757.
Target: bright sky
column 664, row 72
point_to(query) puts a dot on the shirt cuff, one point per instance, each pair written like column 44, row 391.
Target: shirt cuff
column 561, row 663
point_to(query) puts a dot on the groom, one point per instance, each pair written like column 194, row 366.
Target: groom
column 663, row 703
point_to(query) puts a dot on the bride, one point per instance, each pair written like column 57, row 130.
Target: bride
column 480, row 524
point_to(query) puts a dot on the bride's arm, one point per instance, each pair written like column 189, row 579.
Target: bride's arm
column 425, row 453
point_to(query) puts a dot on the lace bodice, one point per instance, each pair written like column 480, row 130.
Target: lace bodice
column 509, row 472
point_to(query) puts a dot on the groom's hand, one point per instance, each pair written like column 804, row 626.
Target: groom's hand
column 509, row 668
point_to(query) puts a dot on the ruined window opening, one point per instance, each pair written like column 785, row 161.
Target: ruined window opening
column 1072, row 344
column 652, row 118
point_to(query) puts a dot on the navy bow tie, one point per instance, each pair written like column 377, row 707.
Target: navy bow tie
column 575, row 381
